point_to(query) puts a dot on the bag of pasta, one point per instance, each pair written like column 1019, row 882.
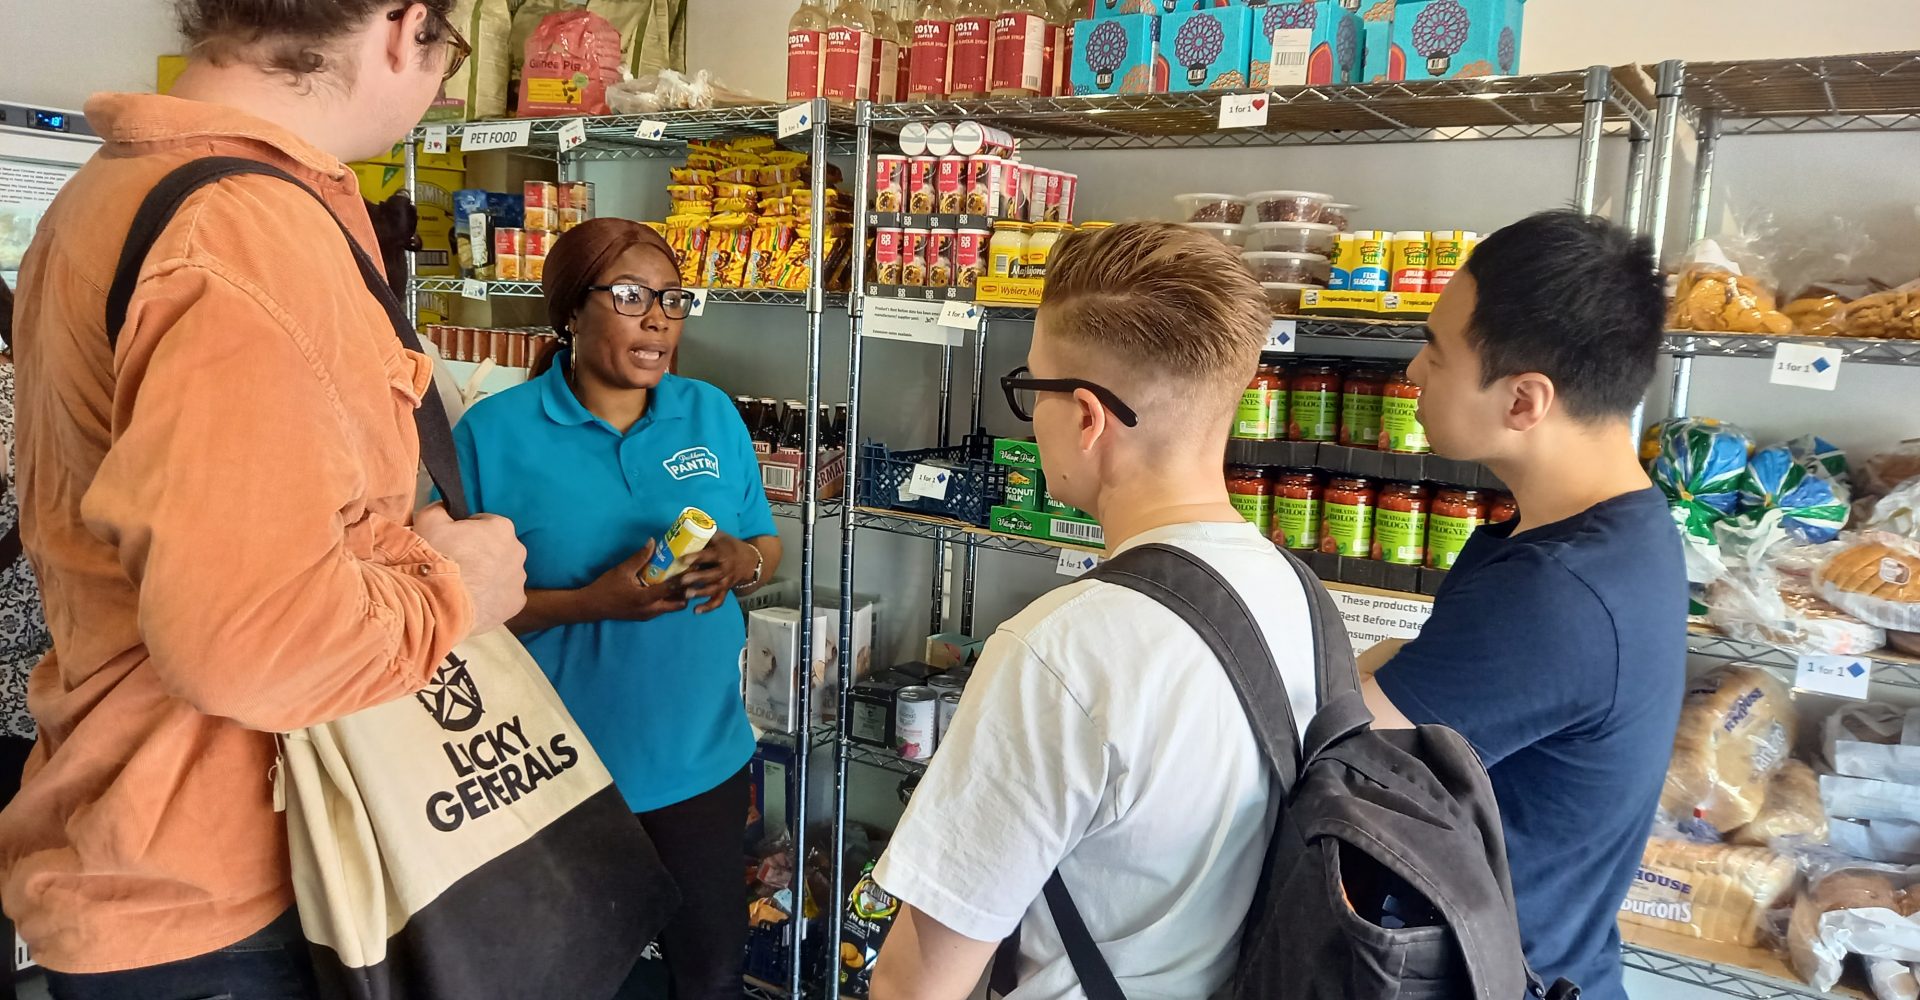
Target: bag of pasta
column 1713, row 295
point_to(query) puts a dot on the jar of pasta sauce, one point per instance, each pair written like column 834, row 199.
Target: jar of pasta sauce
column 1400, row 524
column 1400, row 430
column 1346, row 521
column 1298, row 501
column 1263, row 406
column 1313, row 403
column 1455, row 515
column 1360, row 398
column 1502, row 509
column 1250, row 488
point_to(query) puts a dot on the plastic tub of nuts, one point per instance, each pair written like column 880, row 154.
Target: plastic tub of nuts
column 1212, row 207
column 1231, row 234
column 1284, row 266
column 1299, row 237
column 1283, row 297
column 1339, row 215
column 1289, row 206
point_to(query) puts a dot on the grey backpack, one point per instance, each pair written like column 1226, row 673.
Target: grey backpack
column 1387, row 872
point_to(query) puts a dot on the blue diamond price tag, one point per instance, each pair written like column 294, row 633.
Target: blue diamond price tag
column 960, row 315
column 651, row 130
column 699, row 302
column 796, row 119
column 1807, row 366
column 1843, row 676
column 930, row 481
column 1282, row 337
column 1075, row 563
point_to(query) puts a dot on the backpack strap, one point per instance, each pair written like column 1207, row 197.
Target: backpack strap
column 157, row 211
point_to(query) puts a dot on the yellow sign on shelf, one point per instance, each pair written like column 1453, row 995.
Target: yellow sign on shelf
column 1010, row 291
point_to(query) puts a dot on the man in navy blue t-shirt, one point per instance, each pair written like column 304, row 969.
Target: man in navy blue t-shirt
column 1557, row 645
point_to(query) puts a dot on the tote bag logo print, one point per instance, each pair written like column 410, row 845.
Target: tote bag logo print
column 452, row 698
column 690, row 462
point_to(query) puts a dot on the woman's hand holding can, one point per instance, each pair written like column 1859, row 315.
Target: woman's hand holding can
column 619, row 594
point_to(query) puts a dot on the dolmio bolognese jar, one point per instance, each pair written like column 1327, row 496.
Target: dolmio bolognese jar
column 1298, row 498
column 1400, row 524
column 1250, row 488
column 1262, row 415
column 1400, row 430
column 1360, row 400
column 1313, row 403
column 1456, row 514
column 1346, row 523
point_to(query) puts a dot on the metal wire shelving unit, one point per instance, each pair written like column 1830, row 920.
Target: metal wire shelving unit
column 617, row 138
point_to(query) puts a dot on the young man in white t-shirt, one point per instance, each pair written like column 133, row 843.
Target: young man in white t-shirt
column 1099, row 735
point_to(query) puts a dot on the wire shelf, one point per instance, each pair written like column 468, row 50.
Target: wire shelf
column 1731, row 980
column 715, row 296
column 1870, row 92
column 758, row 990
column 1889, row 668
column 828, row 508
column 613, row 137
column 1514, row 107
column 1858, row 350
column 941, row 529
column 885, row 760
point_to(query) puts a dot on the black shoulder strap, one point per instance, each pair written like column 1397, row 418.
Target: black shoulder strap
column 1195, row 591
column 157, row 210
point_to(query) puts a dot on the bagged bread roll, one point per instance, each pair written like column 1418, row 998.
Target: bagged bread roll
column 1736, row 726
column 1876, row 580
column 1714, row 892
column 1791, row 812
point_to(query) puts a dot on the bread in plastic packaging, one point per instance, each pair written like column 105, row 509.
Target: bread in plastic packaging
column 1736, row 726
column 1714, row 296
column 1791, row 814
column 1892, row 980
column 1893, row 314
column 1885, row 471
column 1852, row 910
column 1763, row 605
column 1714, row 892
column 1875, row 579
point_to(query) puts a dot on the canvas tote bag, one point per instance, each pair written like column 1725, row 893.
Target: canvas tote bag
column 465, row 843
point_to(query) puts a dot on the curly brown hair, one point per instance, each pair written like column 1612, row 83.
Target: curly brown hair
column 289, row 36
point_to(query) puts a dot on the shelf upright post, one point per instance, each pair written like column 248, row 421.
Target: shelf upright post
column 1666, row 125
column 410, row 153
column 1593, row 120
column 856, row 305
column 1709, row 146
column 809, row 512
column 977, row 420
column 1636, row 205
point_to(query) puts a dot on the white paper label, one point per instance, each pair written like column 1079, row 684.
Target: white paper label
column 910, row 320
column 795, row 120
column 572, row 135
column 1309, row 297
column 699, row 302
column 1074, row 563
column 1282, row 336
column 1809, row 366
column 651, row 131
column 1894, row 571
column 496, row 135
column 960, row 315
column 473, row 289
column 930, row 482
column 1244, row 111
column 1845, row 676
column 1374, row 618
column 477, row 237
column 1291, row 47
column 436, row 140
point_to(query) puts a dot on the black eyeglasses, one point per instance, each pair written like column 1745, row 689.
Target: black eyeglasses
column 630, row 298
column 455, row 40
column 1023, row 391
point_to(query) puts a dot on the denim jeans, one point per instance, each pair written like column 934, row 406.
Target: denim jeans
column 270, row 965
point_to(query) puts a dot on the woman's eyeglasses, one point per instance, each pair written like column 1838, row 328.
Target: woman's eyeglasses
column 1023, row 391
column 455, row 40
column 630, row 298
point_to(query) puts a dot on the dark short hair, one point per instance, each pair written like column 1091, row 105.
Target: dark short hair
column 1575, row 298
column 288, row 35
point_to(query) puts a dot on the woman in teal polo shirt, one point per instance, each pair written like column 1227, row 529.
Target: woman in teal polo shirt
column 591, row 459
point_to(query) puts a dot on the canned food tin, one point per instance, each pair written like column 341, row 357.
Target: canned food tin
column 916, row 722
column 1450, row 250
column 889, row 183
column 972, row 138
column 970, row 257
column 940, row 258
column 984, row 185
column 913, row 257
column 887, row 255
column 1039, row 206
column 949, row 707
column 950, row 185
column 1409, row 258
column 1069, row 187
column 922, row 184
column 913, row 138
column 689, row 534
column 1013, row 201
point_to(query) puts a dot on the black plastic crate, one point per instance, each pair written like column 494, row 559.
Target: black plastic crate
column 977, row 484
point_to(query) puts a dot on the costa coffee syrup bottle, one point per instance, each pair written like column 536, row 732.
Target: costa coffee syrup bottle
column 1060, row 58
column 970, row 66
column 932, row 42
column 850, row 53
column 1020, row 33
column 806, row 51
column 905, row 13
column 885, row 86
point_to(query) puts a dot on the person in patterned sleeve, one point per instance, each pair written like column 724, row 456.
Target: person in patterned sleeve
column 23, row 629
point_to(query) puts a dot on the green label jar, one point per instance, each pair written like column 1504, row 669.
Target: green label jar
column 1296, row 522
column 1314, row 415
column 1262, row 415
column 1347, row 530
column 1258, row 510
column 1399, row 536
column 1446, row 536
column 1360, row 418
column 1401, row 426
column 1024, row 489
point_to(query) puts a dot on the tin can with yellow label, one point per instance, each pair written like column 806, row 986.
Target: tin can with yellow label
column 1410, row 257
column 1367, row 260
column 1450, row 250
column 690, row 533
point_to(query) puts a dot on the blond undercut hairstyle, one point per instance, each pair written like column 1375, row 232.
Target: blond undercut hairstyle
column 1160, row 299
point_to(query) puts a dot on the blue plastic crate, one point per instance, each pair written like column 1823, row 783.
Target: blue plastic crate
column 977, row 484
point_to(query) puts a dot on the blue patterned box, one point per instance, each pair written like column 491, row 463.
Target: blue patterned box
column 1451, row 39
column 1334, row 33
column 1118, row 55
column 1208, row 49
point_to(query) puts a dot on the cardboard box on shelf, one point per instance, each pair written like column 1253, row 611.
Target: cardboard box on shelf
column 1209, row 49
column 1048, row 527
column 1330, row 32
column 1118, row 55
column 1450, row 39
column 1376, row 49
column 772, row 655
column 952, row 651
column 780, row 474
column 1020, row 453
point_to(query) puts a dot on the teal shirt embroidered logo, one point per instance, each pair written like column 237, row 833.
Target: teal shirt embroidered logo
column 690, row 462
